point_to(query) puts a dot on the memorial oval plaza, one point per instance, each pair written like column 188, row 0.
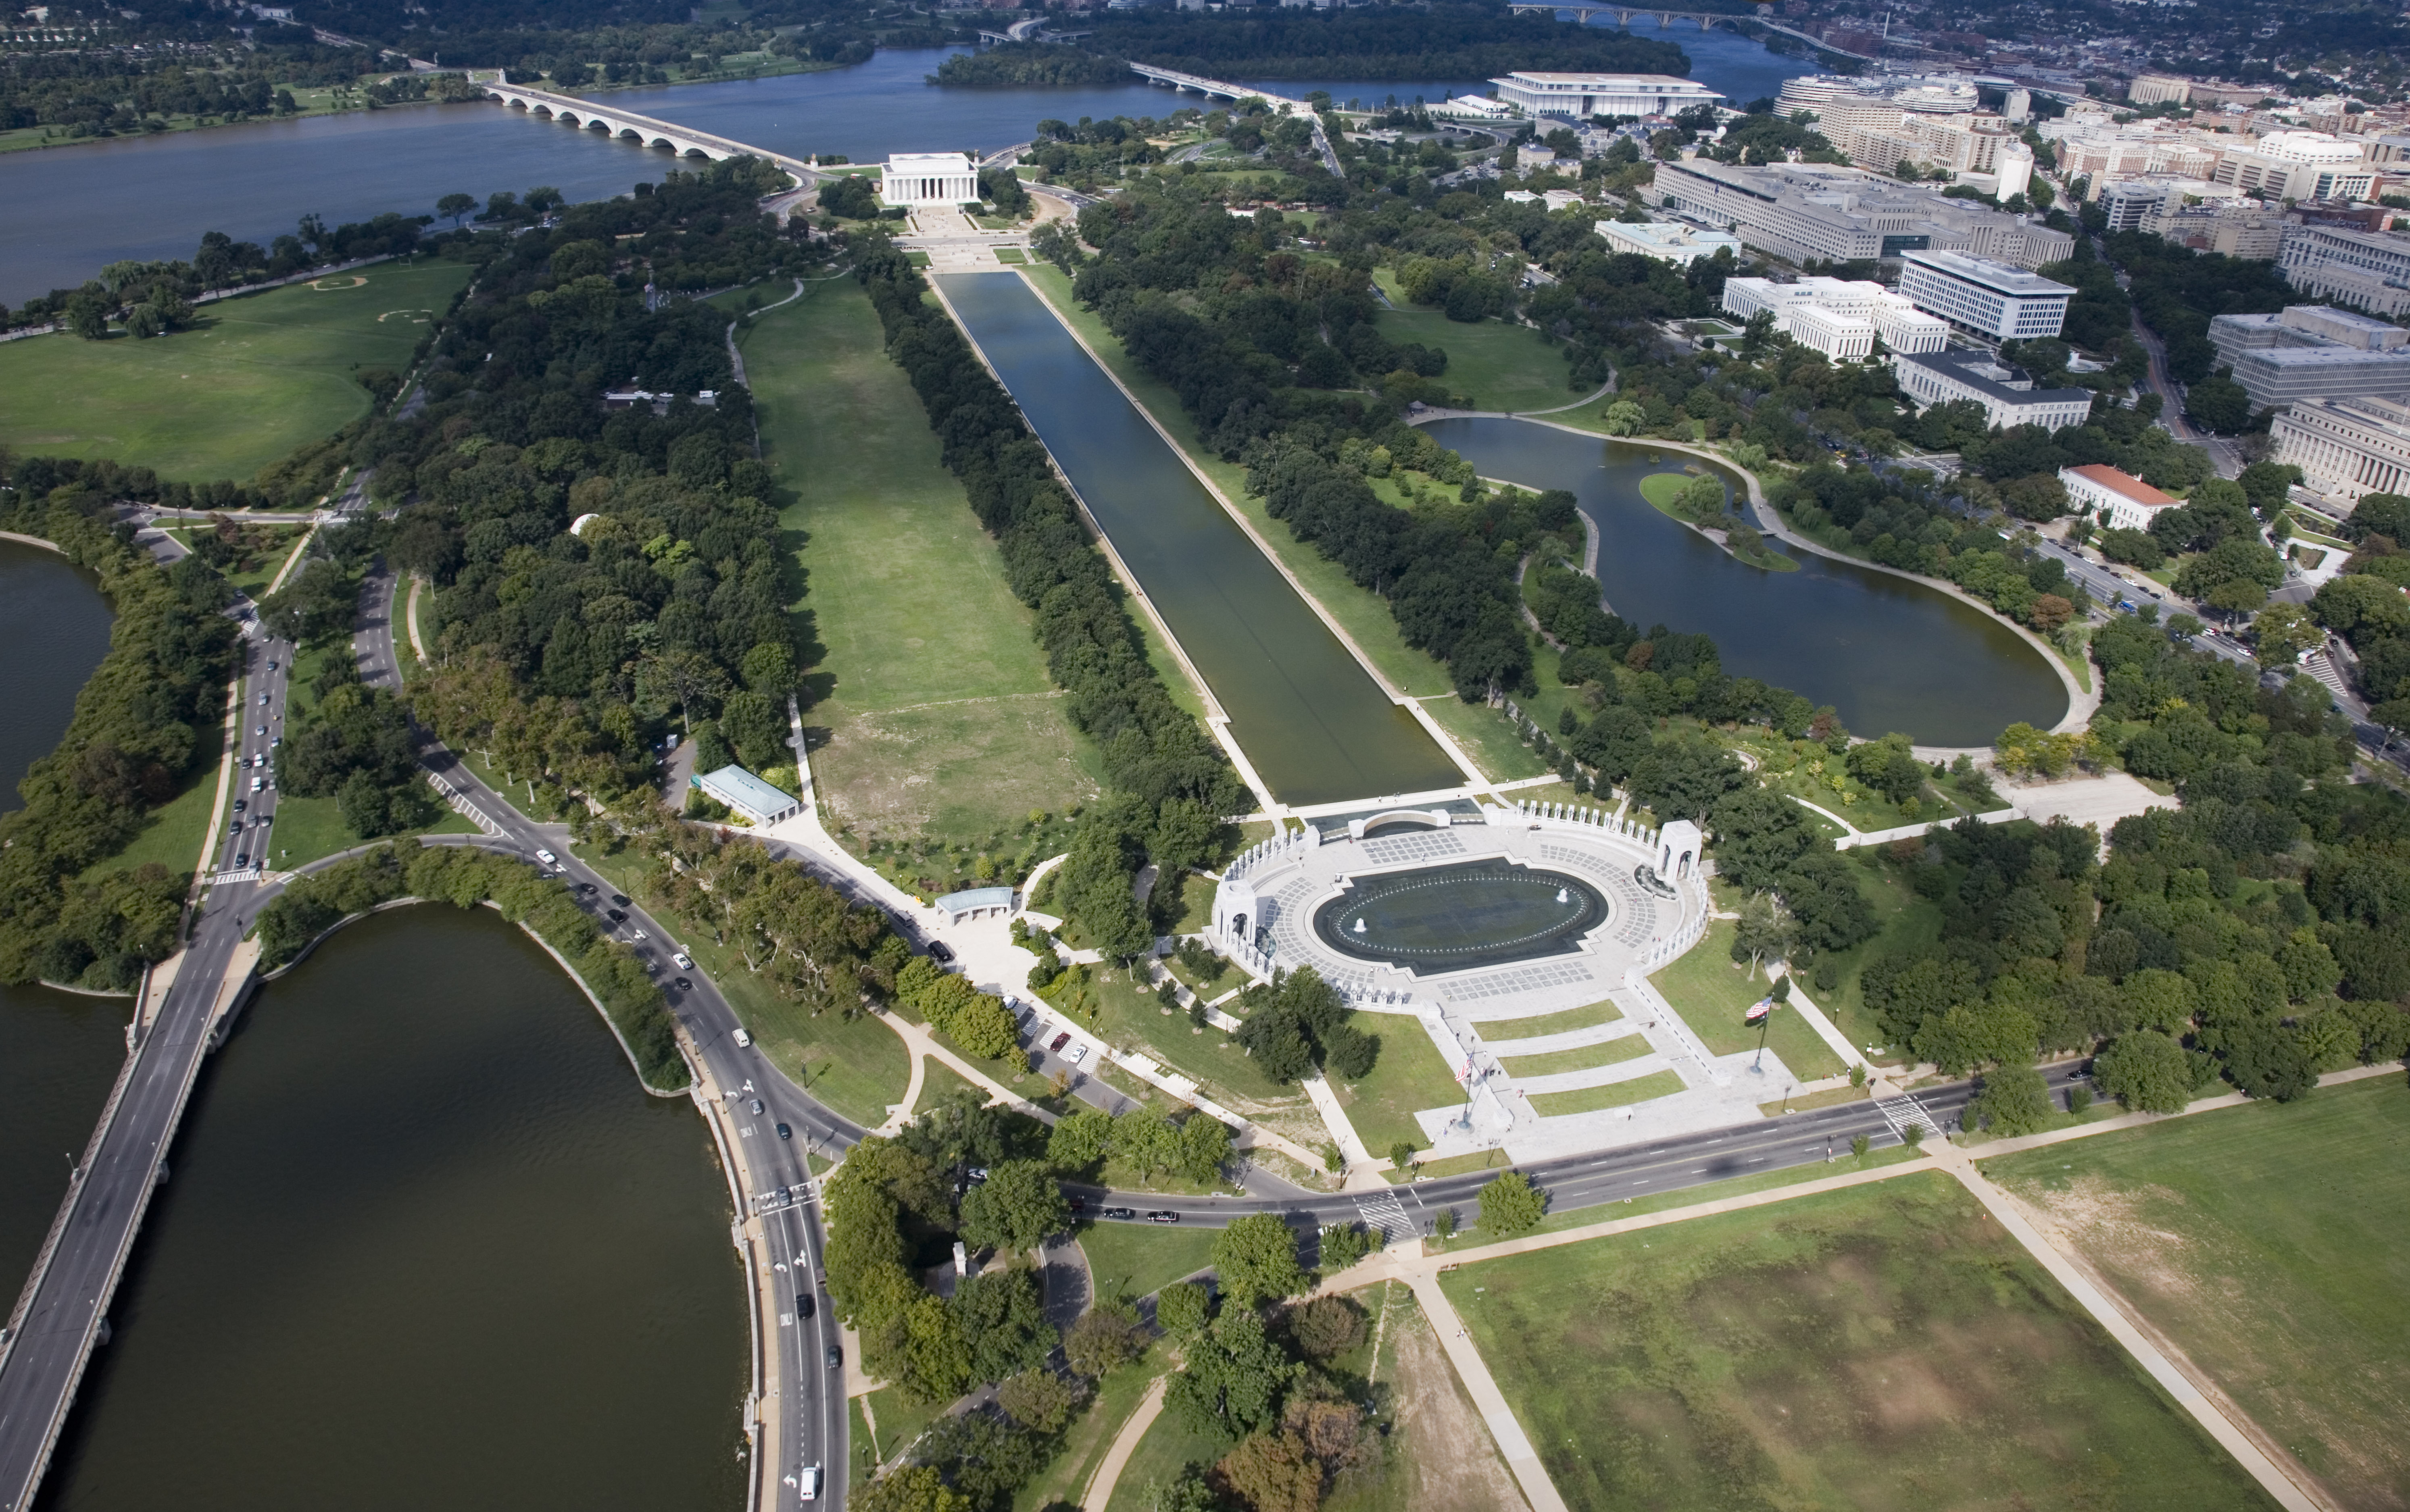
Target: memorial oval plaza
column 1468, row 919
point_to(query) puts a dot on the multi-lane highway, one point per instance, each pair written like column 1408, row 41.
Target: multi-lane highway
column 63, row 1310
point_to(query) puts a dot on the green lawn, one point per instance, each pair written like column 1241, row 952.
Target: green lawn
column 1500, row 367
column 857, row 1065
column 2271, row 1242
column 939, row 1080
column 259, row 377
column 1090, row 1436
column 309, row 829
column 1613, row 1095
column 1486, row 737
column 1604, row 1053
column 1129, row 1017
column 1169, row 1448
column 1409, row 1076
column 900, row 1421
column 934, row 712
column 1133, row 1259
column 1881, row 1348
column 1711, row 992
column 1661, row 488
column 173, row 834
column 1498, row 1031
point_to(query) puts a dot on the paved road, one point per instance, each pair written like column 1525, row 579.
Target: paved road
column 63, row 1309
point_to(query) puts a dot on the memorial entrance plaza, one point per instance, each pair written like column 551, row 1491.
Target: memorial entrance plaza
column 1472, row 925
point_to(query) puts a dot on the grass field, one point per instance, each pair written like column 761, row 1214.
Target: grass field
column 173, row 834
column 1090, row 1437
column 258, row 376
column 1132, row 1259
column 1711, row 992
column 1884, row 1347
column 1498, row 366
column 899, row 1421
column 1409, row 1076
column 935, row 714
column 1496, row 1032
column 1613, row 1095
column 2268, row 1243
column 1166, row 1450
column 1604, row 1053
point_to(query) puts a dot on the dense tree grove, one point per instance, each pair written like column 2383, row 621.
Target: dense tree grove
column 150, row 299
column 2255, row 933
column 147, row 719
column 467, row 877
column 1167, row 785
column 2366, row 608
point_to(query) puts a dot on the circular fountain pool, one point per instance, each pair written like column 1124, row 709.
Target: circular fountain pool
column 1435, row 918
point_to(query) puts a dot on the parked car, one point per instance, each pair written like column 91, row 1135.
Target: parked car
column 1163, row 1215
column 1059, row 1041
column 941, row 952
column 1076, row 1053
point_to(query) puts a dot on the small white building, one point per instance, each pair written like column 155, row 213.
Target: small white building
column 1843, row 338
column 2124, row 500
column 1831, row 315
column 1667, row 241
column 917, row 179
column 757, row 802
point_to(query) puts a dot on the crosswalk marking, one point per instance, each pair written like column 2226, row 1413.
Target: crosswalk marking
column 1900, row 1112
column 1386, row 1213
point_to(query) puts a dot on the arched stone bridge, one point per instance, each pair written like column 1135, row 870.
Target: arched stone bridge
column 626, row 125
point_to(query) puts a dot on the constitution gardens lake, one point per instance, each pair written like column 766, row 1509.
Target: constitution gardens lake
column 420, row 1198
column 1887, row 652
column 81, row 207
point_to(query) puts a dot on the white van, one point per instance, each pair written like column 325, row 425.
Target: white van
column 257, row 783
column 743, row 1038
column 812, row 1483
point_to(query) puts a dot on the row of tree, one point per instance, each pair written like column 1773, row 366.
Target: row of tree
column 1167, row 786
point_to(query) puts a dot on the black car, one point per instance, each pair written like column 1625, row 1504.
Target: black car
column 1078, row 1204
column 242, row 804
column 585, row 887
column 804, row 1306
column 836, row 1357
column 1126, row 1214
column 621, row 898
column 243, row 858
column 614, row 916
column 1163, row 1215
column 786, row 1133
column 941, row 952
column 684, row 985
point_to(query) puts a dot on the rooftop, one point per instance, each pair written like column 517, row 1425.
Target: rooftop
column 740, row 789
column 1984, row 373
column 1998, row 277
column 2123, row 483
column 1536, row 76
column 930, row 162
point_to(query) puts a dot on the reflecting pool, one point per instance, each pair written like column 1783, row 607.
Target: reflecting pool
column 1436, row 918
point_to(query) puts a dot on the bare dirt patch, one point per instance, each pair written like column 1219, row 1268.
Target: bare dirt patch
column 1438, row 1456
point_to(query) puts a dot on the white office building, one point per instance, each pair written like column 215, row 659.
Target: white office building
column 2346, row 447
column 2297, row 165
column 915, row 180
column 1991, row 298
column 2007, row 396
column 1667, row 241
column 1583, row 96
column 2124, row 501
